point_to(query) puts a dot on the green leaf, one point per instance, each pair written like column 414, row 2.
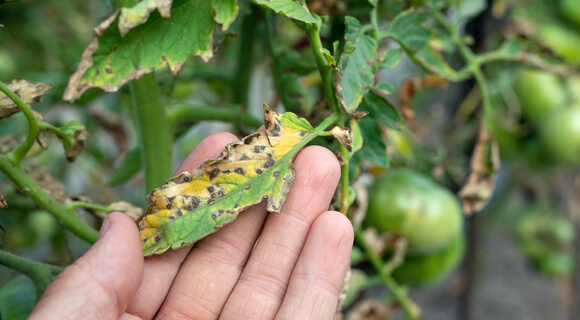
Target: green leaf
column 191, row 206
column 356, row 136
column 293, row 9
column 381, row 110
column 17, row 298
column 357, row 66
column 226, row 12
column 470, row 8
column 391, row 59
column 131, row 17
column 374, row 148
column 294, row 96
column 384, row 88
column 130, row 165
column 112, row 60
column 408, row 30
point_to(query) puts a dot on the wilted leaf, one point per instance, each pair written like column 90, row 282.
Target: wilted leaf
column 73, row 136
column 293, row 9
column 127, row 208
column 47, row 182
column 343, row 136
column 28, row 91
column 357, row 67
column 191, row 206
column 112, row 60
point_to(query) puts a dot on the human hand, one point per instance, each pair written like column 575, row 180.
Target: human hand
column 294, row 271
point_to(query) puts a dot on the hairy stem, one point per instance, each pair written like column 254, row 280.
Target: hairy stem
column 410, row 307
column 41, row 274
column 18, row 154
column 59, row 211
column 154, row 131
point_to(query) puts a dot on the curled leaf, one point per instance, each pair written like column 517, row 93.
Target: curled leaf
column 73, row 137
column 28, row 91
column 343, row 136
column 193, row 205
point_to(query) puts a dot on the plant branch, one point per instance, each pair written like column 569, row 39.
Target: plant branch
column 18, row 154
column 154, row 131
column 59, row 211
column 325, row 71
column 410, row 307
column 91, row 206
column 183, row 112
column 41, row 274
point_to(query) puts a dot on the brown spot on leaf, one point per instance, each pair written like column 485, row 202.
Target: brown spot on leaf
column 164, row 58
column 210, row 189
column 210, row 202
column 276, row 174
column 244, row 157
column 179, row 213
column 108, row 71
column 269, row 163
column 236, row 206
column 258, row 171
column 157, row 238
column 220, row 194
column 240, row 170
column 214, row 216
column 214, row 173
column 248, row 187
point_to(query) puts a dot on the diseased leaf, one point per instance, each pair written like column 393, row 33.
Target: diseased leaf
column 28, row 91
column 226, row 12
column 112, row 60
column 73, row 136
column 293, row 9
column 192, row 205
column 131, row 17
column 343, row 136
column 357, row 67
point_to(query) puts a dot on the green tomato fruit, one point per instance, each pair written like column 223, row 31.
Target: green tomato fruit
column 560, row 135
column 570, row 10
column 540, row 93
column 431, row 268
column 563, row 40
column 407, row 203
column 541, row 234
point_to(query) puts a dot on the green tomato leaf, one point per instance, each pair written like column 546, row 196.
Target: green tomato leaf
column 131, row 17
column 357, row 67
column 130, row 165
column 293, row 9
column 384, row 88
column 408, row 30
column 380, row 109
column 374, row 148
column 192, row 206
column 470, row 8
column 226, row 12
column 391, row 58
column 112, row 60
column 17, row 298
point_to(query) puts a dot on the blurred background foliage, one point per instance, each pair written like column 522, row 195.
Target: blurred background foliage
column 516, row 259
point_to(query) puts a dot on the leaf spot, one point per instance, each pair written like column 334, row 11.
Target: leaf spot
column 276, row 174
column 248, row 187
column 214, row 173
column 108, row 71
column 269, row 163
column 258, row 171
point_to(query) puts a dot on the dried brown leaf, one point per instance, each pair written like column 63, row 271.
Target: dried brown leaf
column 30, row 92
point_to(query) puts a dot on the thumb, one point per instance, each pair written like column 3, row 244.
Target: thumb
column 102, row 283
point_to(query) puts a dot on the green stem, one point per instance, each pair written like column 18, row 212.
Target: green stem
column 245, row 58
column 323, row 67
column 344, row 184
column 91, row 206
column 410, row 307
column 375, row 21
column 41, row 274
column 59, row 211
column 154, row 131
column 183, row 112
column 18, row 154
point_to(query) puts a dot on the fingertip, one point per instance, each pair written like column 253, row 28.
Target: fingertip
column 336, row 228
column 210, row 147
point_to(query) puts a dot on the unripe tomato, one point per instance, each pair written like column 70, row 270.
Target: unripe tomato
column 560, row 135
column 565, row 41
column 412, row 205
column 431, row 268
column 539, row 92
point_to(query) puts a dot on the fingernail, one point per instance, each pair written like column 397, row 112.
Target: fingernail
column 104, row 228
